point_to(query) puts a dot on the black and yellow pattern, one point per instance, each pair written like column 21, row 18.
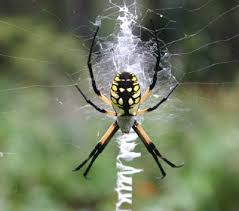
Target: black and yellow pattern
column 125, row 99
column 125, row 94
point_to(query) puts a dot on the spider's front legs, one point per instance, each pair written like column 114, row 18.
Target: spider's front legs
column 141, row 112
column 99, row 148
column 96, row 90
column 152, row 149
column 110, row 113
column 157, row 67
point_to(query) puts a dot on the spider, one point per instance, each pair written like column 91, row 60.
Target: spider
column 125, row 101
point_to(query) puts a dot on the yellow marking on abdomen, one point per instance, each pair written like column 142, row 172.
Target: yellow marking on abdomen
column 130, row 101
column 136, row 101
column 120, row 101
column 117, row 78
column 136, row 88
column 121, row 89
column 114, row 94
column 133, row 111
column 114, row 88
column 137, row 94
column 129, row 89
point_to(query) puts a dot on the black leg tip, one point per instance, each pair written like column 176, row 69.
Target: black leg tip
column 162, row 177
column 77, row 168
column 86, row 177
column 179, row 166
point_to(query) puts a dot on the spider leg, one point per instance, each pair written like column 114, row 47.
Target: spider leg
column 98, row 148
column 96, row 90
column 110, row 113
column 141, row 112
column 152, row 148
column 156, row 69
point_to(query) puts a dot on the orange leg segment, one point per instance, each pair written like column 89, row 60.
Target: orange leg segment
column 152, row 148
column 99, row 148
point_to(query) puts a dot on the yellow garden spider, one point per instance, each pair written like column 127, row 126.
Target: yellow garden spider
column 125, row 100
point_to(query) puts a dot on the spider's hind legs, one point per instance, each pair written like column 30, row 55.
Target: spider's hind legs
column 161, row 178
column 95, row 152
column 98, row 149
column 153, row 147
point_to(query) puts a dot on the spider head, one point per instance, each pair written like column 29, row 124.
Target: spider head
column 125, row 94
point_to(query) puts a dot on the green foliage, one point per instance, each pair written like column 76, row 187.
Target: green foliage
column 36, row 52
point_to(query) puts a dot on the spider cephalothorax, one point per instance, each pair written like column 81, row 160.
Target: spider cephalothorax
column 125, row 94
column 125, row 101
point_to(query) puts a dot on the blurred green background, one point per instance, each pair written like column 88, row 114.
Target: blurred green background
column 44, row 134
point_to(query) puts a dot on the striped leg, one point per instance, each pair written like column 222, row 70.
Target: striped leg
column 157, row 68
column 152, row 149
column 141, row 112
column 96, row 90
column 99, row 148
column 110, row 113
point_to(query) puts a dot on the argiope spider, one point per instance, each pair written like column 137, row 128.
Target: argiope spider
column 125, row 100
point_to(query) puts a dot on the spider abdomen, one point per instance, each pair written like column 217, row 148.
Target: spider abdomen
column 125, row 94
